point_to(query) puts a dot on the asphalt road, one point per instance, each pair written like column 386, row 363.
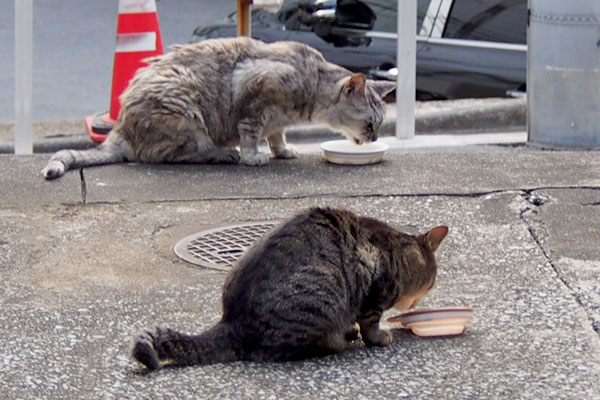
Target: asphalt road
column 74, row 43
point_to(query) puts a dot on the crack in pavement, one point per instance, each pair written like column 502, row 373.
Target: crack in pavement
column 538, row 232
column 83, row 185
column 532, row 196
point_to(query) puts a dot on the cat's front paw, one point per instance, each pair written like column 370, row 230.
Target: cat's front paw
column 377, row 337
column 255, row 158
column 286, row 152
column 143, row 350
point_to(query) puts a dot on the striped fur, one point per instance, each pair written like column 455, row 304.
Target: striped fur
column 300, row 291
column 198, row 103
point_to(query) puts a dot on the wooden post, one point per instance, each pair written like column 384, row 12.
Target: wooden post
column 244, row 20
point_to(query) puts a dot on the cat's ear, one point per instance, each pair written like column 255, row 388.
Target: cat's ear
column 435, row 236
column 355, row 85
column 385, row 89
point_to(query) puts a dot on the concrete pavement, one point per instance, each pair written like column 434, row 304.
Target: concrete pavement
column 87, row 260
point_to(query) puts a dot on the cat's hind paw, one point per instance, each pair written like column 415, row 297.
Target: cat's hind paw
column 255, row 158
column 287, row 152
column 377, row 337
column 352, row 332
column 143, row 350
column 225, row 156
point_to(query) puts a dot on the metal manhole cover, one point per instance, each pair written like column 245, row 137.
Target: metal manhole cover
column 220, row 248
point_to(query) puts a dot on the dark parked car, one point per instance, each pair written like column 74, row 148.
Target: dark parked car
column 465, row 48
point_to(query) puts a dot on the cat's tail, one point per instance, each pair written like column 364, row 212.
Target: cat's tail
column 108, row 152
column 165, row 346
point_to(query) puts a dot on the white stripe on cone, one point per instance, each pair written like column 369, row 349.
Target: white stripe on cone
column 136, row 6
column 132, row 42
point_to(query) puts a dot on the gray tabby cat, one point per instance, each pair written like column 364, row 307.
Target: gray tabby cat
column 300, row 291
column 196, row 104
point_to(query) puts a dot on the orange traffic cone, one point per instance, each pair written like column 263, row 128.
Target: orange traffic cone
column 138, row 37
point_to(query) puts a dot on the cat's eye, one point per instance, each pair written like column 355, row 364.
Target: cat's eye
column 369, row 126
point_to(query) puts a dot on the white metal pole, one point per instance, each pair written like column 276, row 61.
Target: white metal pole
column 407, row 69
column 23, row 76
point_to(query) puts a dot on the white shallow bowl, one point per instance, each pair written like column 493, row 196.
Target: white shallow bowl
column 349, row 153
column 440, row 322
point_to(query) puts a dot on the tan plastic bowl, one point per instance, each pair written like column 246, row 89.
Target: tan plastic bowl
column 349, row 153
column 437, row 322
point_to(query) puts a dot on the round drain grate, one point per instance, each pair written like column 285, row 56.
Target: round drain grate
column 220, row 248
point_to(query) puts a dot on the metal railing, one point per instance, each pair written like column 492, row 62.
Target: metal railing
column 23, row 76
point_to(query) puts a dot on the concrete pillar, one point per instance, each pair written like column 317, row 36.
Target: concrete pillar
column 23, row 76
column 407, row 69
column 563, row 73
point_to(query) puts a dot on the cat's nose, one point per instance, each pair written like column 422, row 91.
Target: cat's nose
column 374, row 138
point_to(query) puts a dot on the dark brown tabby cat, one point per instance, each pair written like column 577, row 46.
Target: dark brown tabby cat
column 300, row 291
column 196, row 104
